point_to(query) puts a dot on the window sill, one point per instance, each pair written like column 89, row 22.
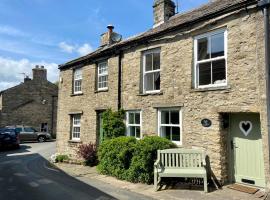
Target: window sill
column 151, row 94
column 76, row 94
column 75, row 141
column 207, row 89
column 100, row 91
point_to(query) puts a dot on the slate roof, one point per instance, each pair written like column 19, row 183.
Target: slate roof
column 207, row 11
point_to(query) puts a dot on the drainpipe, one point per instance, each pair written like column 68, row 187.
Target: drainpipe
column 265, row 4
column 119, row 103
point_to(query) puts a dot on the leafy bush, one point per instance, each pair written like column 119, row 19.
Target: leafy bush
column 145, row 154
column 129, row 159
column 115, row 156
column 89, row 153
column 61, row 158
column 113, row 123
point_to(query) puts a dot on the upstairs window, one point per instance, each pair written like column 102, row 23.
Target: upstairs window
column 134, row 124
column 102, row 79
column 76, row 127
column 77, row 81
column 151, row 71
column 210, row 59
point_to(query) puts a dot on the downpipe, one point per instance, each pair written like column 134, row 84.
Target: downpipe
column 265, row 4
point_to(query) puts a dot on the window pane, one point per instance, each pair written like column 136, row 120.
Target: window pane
column 132, row 131
column 219, row 72
column 175, row 117
column 176, row 134
column 205, row 73
column 217, row 45
column 137, row 118
column 138, row 132
column 131, row 118
column 148, row 62
column 156, row 61
column 165, row 117
column 157, row 81
column 78, row 74
column 203, row 49
column 149, row 84
column 166, row 132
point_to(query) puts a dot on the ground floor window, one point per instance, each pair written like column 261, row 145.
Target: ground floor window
column 44, row 127
column 76, row 127
column 134, row 124
column 169, row 122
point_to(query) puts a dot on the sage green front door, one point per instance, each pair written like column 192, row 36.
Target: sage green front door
column 246, row 149
column 100, row 132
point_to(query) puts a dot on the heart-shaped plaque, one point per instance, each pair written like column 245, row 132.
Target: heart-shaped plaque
column 245, row 127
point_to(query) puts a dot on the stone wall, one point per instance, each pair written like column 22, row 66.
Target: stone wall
column 30, row 103
column 245, row 91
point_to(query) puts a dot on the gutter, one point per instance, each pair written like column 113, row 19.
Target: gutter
column 265, row 4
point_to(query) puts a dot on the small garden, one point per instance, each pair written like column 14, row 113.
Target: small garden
column 125, row 158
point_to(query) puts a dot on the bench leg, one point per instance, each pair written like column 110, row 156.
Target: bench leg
column 155, row 181
column 205, row 184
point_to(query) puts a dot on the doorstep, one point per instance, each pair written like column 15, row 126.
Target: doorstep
column 171, row 192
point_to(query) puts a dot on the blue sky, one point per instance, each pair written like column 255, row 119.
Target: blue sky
column 51, row 32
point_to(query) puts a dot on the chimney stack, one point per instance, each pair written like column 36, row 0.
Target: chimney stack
column 110, row 37
column 39, row 73
column 163, row 11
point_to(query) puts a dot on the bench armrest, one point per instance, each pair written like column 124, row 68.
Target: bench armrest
column 157, row 164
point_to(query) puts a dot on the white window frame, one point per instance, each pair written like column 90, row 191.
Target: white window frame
column 179, row 143
column 196, row 62
column 102, row 75
column 133, row 125
column 150, row 72
column 77, row 79
column 75, row 125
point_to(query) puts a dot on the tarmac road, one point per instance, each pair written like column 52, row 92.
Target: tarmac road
column 26, row 174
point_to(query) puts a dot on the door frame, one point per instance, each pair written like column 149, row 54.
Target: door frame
column 98, row 112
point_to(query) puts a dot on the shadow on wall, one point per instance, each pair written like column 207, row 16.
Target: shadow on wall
column 212, row 179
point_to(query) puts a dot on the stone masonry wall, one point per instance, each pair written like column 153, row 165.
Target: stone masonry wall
column 23, row 105
column 245, row 91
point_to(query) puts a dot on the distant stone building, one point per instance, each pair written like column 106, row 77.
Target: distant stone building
column 32, row 103
column 196, row 78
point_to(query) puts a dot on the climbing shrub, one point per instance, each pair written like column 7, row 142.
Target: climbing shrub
column 113, row 124
column 115, row 156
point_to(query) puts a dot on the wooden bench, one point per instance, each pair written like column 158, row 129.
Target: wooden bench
column 186, row 163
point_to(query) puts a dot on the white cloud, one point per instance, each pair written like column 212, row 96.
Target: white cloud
column 11, row 31
column 11, row 71
column 66, row 47
column 81, row 50
column 85, row 49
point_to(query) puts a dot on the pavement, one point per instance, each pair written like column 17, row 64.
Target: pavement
column 27, row 174
column 90, row 176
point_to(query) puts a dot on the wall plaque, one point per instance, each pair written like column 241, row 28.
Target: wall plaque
column 206, row 122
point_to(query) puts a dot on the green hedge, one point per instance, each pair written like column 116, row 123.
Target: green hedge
column 129, row 159
column 115, row 156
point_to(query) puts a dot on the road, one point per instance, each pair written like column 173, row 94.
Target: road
column 26, row 174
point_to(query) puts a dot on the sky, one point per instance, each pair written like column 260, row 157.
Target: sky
column 52, row 32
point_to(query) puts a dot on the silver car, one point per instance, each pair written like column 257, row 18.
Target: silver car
column 28, row 133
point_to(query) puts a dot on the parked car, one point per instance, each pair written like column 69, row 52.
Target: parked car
column 9, row 138
column 28, row 133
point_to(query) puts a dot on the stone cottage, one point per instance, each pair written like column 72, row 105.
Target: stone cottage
column 196, row 78
column 32, row 103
